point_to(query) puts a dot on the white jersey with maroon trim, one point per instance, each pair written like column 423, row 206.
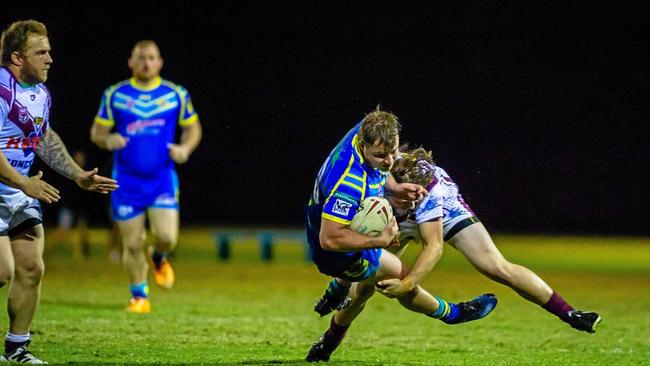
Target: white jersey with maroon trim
column 444, row 201
column 24, row 118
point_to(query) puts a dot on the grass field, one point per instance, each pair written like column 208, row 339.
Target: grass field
column 248, row 312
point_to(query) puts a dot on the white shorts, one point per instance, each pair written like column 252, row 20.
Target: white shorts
column 17, row 210
column 410, row 230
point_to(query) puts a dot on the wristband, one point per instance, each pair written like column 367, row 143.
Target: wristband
column 408, row 283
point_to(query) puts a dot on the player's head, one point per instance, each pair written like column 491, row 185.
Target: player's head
column 25, row 49
column 379, row 139
column 145, row 61
column 413, row 166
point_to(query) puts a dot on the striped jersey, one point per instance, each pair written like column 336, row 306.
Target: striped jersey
column 147, row 116
column 24, row 118
column 343, row 181
column 444, row 201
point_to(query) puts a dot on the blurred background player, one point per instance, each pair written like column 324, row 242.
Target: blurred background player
column 25, row 131
column 358, row 167
column 463, row 230
column 144, row 111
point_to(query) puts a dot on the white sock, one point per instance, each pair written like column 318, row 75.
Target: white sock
column 18, row 338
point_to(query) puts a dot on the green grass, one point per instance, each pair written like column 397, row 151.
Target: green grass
column 248, row 312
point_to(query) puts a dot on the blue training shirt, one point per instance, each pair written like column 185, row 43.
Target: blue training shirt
column 343, row 181
column 147, row 116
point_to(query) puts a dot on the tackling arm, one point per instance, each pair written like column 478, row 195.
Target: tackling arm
column 405, row 191
column 337, row 237
column 431, row 233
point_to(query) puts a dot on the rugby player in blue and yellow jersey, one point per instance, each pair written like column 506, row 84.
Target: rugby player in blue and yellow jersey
column 358, row 168
column 143, row 112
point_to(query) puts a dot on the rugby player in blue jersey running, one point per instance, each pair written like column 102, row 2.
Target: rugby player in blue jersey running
column 358, row 168
column 25, row 131
column 137, row 119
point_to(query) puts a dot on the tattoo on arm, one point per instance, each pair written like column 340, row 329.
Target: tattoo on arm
column 54, row 153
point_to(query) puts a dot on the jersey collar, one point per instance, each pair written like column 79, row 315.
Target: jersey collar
column 156, row 83
column 357, row 148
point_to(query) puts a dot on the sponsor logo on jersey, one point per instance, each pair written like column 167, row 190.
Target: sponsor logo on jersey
column 341, row 207
column 346, row 197
column 25, row 143
column 38, row 120
column 141, row 126
column 21, row 163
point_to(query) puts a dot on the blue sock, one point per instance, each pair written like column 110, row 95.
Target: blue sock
column 336, row 289
column 446, row 311
column 140, row 290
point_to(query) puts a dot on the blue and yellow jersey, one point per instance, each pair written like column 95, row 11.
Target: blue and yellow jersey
column 147, row 116
column 342, row 183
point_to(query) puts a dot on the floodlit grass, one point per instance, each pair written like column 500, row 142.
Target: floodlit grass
column 250, row 312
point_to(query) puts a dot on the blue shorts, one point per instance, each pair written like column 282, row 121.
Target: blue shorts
column 352, row 266
column 137, row 194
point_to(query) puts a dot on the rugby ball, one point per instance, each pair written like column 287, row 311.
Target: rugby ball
column 373, row 215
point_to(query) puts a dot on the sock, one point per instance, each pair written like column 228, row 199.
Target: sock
column 556, row 305
column 157, row 257
column 446, row 311
column 336, row 332
column 13, row 341
column 139, row 290
column 335, row 289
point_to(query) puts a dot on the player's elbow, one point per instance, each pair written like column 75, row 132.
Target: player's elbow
column 95, row 136
column 327, row 242
column 435, row 249
column 98, row 135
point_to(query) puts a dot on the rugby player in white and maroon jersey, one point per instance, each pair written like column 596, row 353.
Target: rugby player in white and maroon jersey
column 24, row 132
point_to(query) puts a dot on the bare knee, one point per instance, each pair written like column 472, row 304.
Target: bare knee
column 500, row 271
column 31, row 271
column 165, row 241
column 6, row 275
column 133, row 245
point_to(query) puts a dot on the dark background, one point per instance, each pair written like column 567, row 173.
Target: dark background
column 538, row 111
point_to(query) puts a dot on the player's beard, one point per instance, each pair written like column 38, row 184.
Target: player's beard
column 33, row 75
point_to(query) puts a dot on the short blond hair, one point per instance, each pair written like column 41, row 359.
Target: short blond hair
column 380, row 126
column 15, row 37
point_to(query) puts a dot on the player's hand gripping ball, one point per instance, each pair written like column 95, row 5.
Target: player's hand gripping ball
column 372, row 217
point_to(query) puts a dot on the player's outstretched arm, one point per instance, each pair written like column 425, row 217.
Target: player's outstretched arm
column 54, row 153
column 32, row 186
column 91, row 181
column 431, row 234
column 190, row 139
